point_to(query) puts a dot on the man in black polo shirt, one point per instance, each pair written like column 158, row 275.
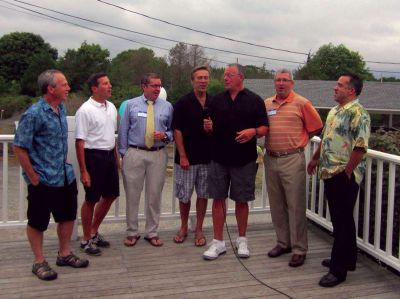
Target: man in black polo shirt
column 193, row 153
column 238, row 118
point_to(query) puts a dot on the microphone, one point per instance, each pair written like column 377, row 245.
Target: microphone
column 206, row 112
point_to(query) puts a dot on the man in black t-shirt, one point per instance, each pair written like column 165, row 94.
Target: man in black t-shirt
column 238, row 118
column 192, row 156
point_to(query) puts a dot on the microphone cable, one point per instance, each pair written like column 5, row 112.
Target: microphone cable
column 248, row 271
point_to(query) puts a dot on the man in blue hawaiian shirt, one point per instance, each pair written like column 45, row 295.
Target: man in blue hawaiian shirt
column 41, row 147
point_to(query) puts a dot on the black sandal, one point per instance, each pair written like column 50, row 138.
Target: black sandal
column 43, row 271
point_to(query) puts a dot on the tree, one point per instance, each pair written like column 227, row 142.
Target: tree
column 330, row 61
column 39, row 63
column 78, row 65
column 129, row 66
column 16, row 52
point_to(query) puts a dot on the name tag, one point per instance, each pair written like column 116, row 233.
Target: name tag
column 142, row 114
column 271, row 112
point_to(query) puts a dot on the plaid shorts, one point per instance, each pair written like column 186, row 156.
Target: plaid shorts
column 187, row 180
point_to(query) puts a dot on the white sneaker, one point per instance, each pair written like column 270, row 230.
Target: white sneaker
column 216, row 249
column 242, row 247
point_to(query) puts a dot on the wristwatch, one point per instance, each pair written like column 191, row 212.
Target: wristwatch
column 165, row 139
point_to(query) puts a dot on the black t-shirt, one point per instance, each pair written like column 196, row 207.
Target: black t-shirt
column 229, row 117
column 188, row 118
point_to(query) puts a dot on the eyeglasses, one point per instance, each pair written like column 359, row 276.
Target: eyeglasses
column 155, row 86
column 230, row 75
column 284, row 80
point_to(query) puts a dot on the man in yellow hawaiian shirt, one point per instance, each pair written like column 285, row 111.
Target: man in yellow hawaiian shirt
column 342, row 166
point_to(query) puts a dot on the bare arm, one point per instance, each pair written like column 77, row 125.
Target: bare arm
column 312, row 165
column 23, row 158
column 184, row 162
column 80, row 155
column 248, row 134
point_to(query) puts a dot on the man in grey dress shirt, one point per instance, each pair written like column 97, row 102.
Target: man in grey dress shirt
column 141, row 162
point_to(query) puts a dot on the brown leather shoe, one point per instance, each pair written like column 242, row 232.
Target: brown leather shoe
column 278, row 251
column 297, row 260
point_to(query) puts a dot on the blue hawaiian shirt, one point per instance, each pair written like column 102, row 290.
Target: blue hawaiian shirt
column 44, row 134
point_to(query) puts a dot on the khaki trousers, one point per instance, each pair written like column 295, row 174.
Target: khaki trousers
column 286, row 187
column 139, row 167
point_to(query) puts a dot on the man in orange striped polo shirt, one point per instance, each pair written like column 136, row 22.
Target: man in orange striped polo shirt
column 292, row 121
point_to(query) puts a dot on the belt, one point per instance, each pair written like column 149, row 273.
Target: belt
column 284, row 154
column 152, row 149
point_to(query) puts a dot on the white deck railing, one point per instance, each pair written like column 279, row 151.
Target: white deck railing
column 377, row 212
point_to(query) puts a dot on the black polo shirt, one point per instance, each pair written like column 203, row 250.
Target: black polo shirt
column 188, row 118
column 229, row 117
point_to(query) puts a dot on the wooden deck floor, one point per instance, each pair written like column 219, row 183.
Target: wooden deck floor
column 178, row 271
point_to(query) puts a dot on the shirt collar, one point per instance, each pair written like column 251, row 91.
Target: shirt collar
column 97, row 104
column 347, row 106
column 47, row 107
column 289, row 99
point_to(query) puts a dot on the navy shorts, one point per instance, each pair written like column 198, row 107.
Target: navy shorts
column 104, row 178
column 44, row 200
column 238, row 180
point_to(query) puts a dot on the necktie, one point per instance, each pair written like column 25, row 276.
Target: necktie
column 149, row 139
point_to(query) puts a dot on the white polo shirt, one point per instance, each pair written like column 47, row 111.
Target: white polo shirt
column 96, row 123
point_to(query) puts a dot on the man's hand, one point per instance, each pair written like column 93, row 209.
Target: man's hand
column 184, row 163
column 158, row 135
column 208, row 125
column 85, row 178
column 34, row 178
column 245, row 135
column 311, row 167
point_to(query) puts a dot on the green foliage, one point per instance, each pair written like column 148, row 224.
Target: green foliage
column 215, row 86
column 16, row 52
column 3, row 86
column 124, row 92
column 385, row 141
column 254, row 72
column 40, row 62
column 14, row 103
column 78, row 65
column 128, row 67
column 330, row 61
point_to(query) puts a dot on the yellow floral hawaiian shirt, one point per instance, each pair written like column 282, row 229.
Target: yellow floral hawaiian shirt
column 346, row 127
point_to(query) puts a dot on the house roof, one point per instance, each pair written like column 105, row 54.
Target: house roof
column 375, row 95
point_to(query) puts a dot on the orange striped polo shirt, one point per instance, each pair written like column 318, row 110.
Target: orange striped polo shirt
column 290, row 123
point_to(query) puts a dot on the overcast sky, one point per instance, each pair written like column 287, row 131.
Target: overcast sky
column 370, row 27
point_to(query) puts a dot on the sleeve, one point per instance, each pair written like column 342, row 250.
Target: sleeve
column 312, row 120
column 81, row 124
column 123, row 131
column 360, row 129
column 169, row 131
column 176, row 118
column 261, row 113
column 26, row 130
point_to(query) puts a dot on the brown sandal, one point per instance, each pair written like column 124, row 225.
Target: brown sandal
column 180, row 237
column 131, row 240
column 154, row 241
column 200, row 240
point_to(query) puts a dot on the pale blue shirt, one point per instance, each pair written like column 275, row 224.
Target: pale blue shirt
column 132, row 129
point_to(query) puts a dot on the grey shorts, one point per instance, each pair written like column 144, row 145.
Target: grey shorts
column 238, row 180
column 187, row 180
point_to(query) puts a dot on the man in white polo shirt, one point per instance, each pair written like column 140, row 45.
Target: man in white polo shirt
column 95, row 125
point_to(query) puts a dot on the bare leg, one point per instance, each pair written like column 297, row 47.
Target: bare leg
column 218, row 215
column 87, row 217
column 100, row 212
column 184, row 209
column 201, row 208
column 64, row 231
column 242, row 215
column 35, row 238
